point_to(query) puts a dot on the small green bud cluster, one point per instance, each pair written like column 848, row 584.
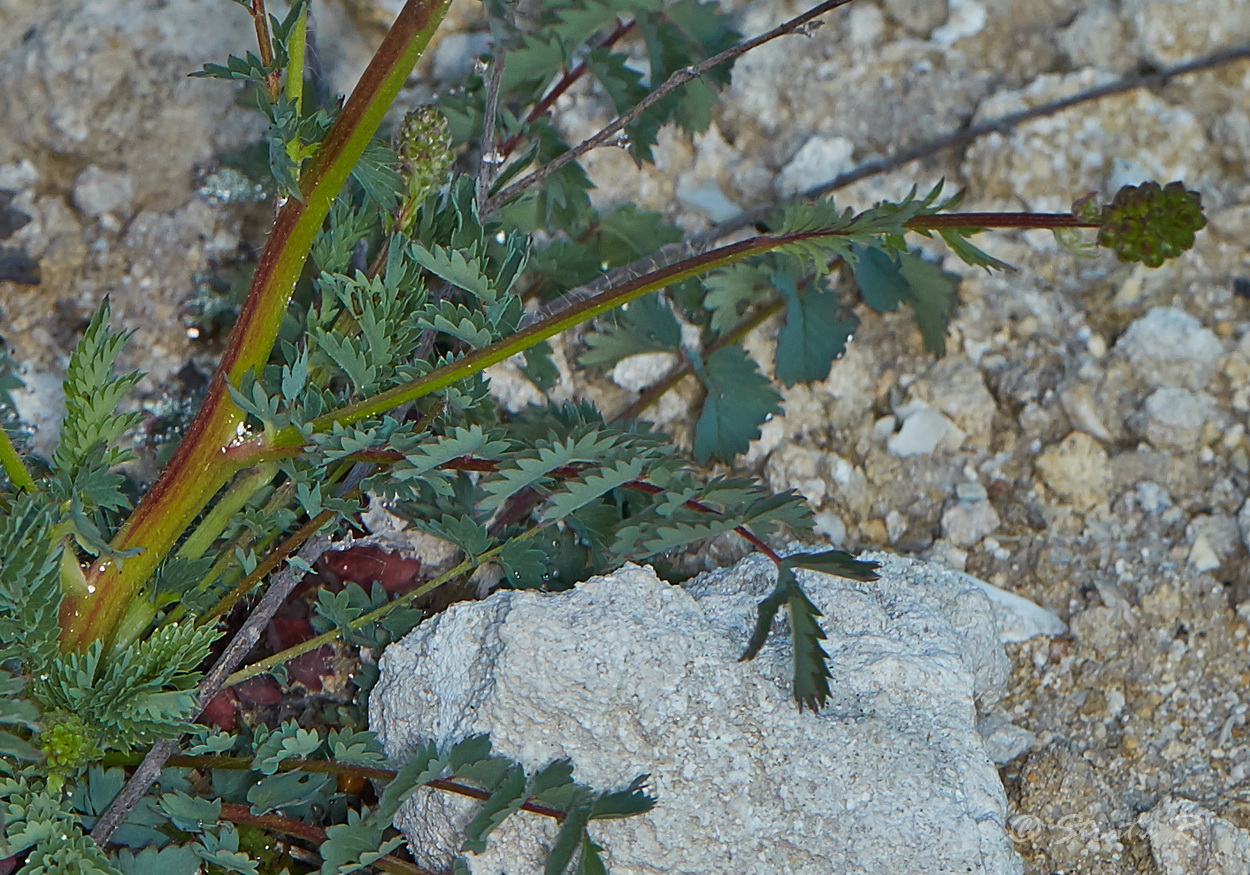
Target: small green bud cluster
column 424, row 146
column 67, row 742
column 1148, row 223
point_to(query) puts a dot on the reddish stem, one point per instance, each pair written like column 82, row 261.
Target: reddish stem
column 566, row 82
column 234, row 812
column 1000, row 220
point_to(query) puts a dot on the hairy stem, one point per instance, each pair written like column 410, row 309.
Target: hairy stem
column 199, row 468
column 585, row 310
column 264, row 45
column 238, row 813
column 705, row 240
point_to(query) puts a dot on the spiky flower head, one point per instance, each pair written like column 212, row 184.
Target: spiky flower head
column 68, row 743
column 424, row 146
column 1149, row 223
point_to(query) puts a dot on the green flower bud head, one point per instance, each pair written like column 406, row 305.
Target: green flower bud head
column 68, row 743
column 1149, row 223
column 424, row 146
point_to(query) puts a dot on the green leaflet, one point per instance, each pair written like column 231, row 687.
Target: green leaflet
column 886, row 278
column 732, row 290
column 535, row 468
column 30, row 584
column 810, row 661
column 287, row 741
column 455, row 267
column 836, row 562
column 647, row 325
column 539, row 367
column 377, row 176
column 507, row 796
column 739, row 400
column 578, row 493
column 813, row 335
column 92, row 393
column 932, row 299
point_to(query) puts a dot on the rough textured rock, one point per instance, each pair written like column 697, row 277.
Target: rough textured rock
column 1076, row 470
column 1143, row 697
column 637, row 675
column 1169, row 347
column 1188, row 839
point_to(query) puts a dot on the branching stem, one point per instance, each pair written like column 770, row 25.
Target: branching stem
column 564, row 84
column 672, row 83
column 199, row 468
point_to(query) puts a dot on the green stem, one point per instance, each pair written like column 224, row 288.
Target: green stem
column 199, row 468
column 13, row 466
column 584, row 311
column 376, row 614
column 295, row 75
column 219, row 518
column 206, row 762
column 284, row 440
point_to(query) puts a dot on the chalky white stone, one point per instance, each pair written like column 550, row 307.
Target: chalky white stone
column 627, row 674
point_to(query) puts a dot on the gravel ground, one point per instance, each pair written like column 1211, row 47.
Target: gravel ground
column 1083, row 443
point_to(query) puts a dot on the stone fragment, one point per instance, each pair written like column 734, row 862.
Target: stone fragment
column 1097, row 38
column 924, row 431
column 1172, row 31
column 819, row 159
column 1202, row 555
column 1151, row 497
column 957, row 388
column 1172, row 418
column 1169, row 347
column 98, row 191
column 1017, row 618
column 1188, row 839
column 1078, row 402
column 919, row 17
column 638, row 372
column 634, row 675
column 967, row 18
column 1077, row 470
column 1004, row 741
column 965, row 523
column 707, row 199
column 1220, row 530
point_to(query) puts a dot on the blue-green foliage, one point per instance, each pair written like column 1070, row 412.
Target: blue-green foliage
column 404, row 281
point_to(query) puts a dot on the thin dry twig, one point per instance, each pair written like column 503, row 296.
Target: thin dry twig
column 608, row 134
column 148, row 770
column 275, row 596
column 564, row 84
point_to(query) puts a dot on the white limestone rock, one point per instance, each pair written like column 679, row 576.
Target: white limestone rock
column 925, row 430
column 965, row 523
column 1169, row 347
column 1173, row 418
column 626, row 674
column 1187, row 839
